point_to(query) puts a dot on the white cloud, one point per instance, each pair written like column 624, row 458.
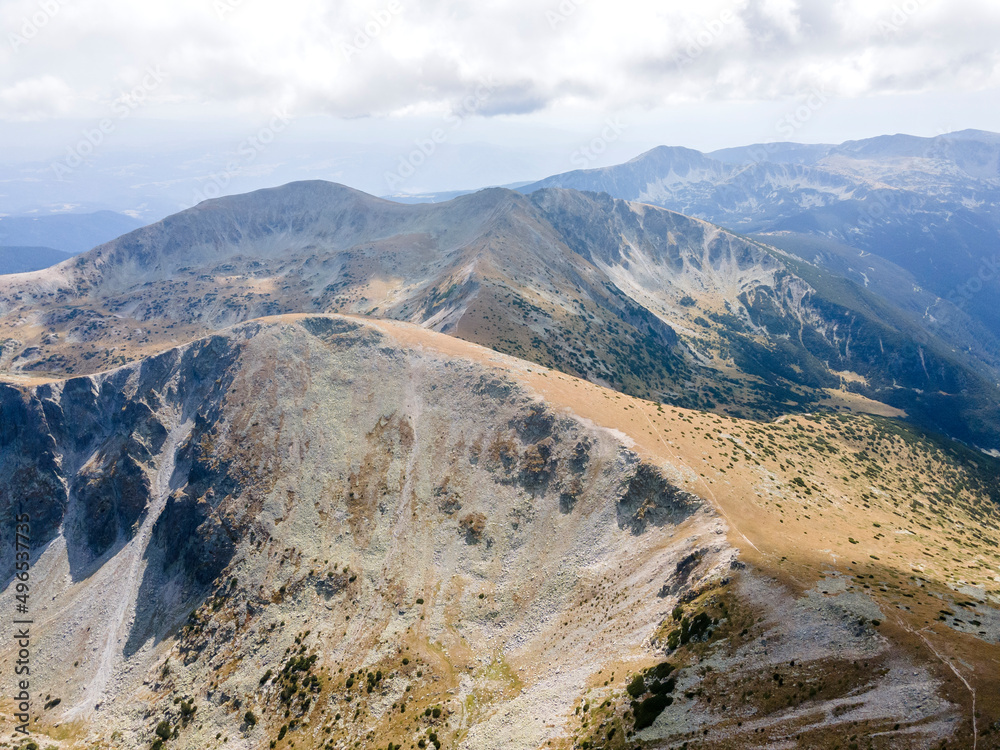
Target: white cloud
column 385, row 57
column 37, row 98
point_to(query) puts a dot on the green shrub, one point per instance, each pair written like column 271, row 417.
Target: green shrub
column 163, row 730
column 662, row 688
column 647, row 711
column 674, row 640
column 661, row 671
column 637, row 686
column 700, row 625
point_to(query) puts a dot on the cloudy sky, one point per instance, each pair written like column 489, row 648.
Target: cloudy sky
column 109, row 103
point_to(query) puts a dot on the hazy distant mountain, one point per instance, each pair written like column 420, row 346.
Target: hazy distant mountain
column 781, row 153
column 444, row 196
column 928, row 205
column 645, row 300
column 21, row 259
column 71, row 233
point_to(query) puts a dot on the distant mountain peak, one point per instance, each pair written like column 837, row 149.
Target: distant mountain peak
column 973, row 134
column 70, row 233
column 669, row 153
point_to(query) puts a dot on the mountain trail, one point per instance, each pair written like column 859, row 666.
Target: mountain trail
column 951, row 666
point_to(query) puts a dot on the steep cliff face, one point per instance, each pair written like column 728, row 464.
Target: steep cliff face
column 81, row 456
column 29, row 467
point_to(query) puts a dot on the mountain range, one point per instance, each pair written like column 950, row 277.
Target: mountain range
column 536, row 468
column 642, row 299
column 931, row 206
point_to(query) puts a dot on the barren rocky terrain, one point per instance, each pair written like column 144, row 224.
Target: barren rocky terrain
column 325, row 531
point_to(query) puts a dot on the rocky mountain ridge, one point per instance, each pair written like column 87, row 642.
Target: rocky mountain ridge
column 929, row 205
column 645, row 300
